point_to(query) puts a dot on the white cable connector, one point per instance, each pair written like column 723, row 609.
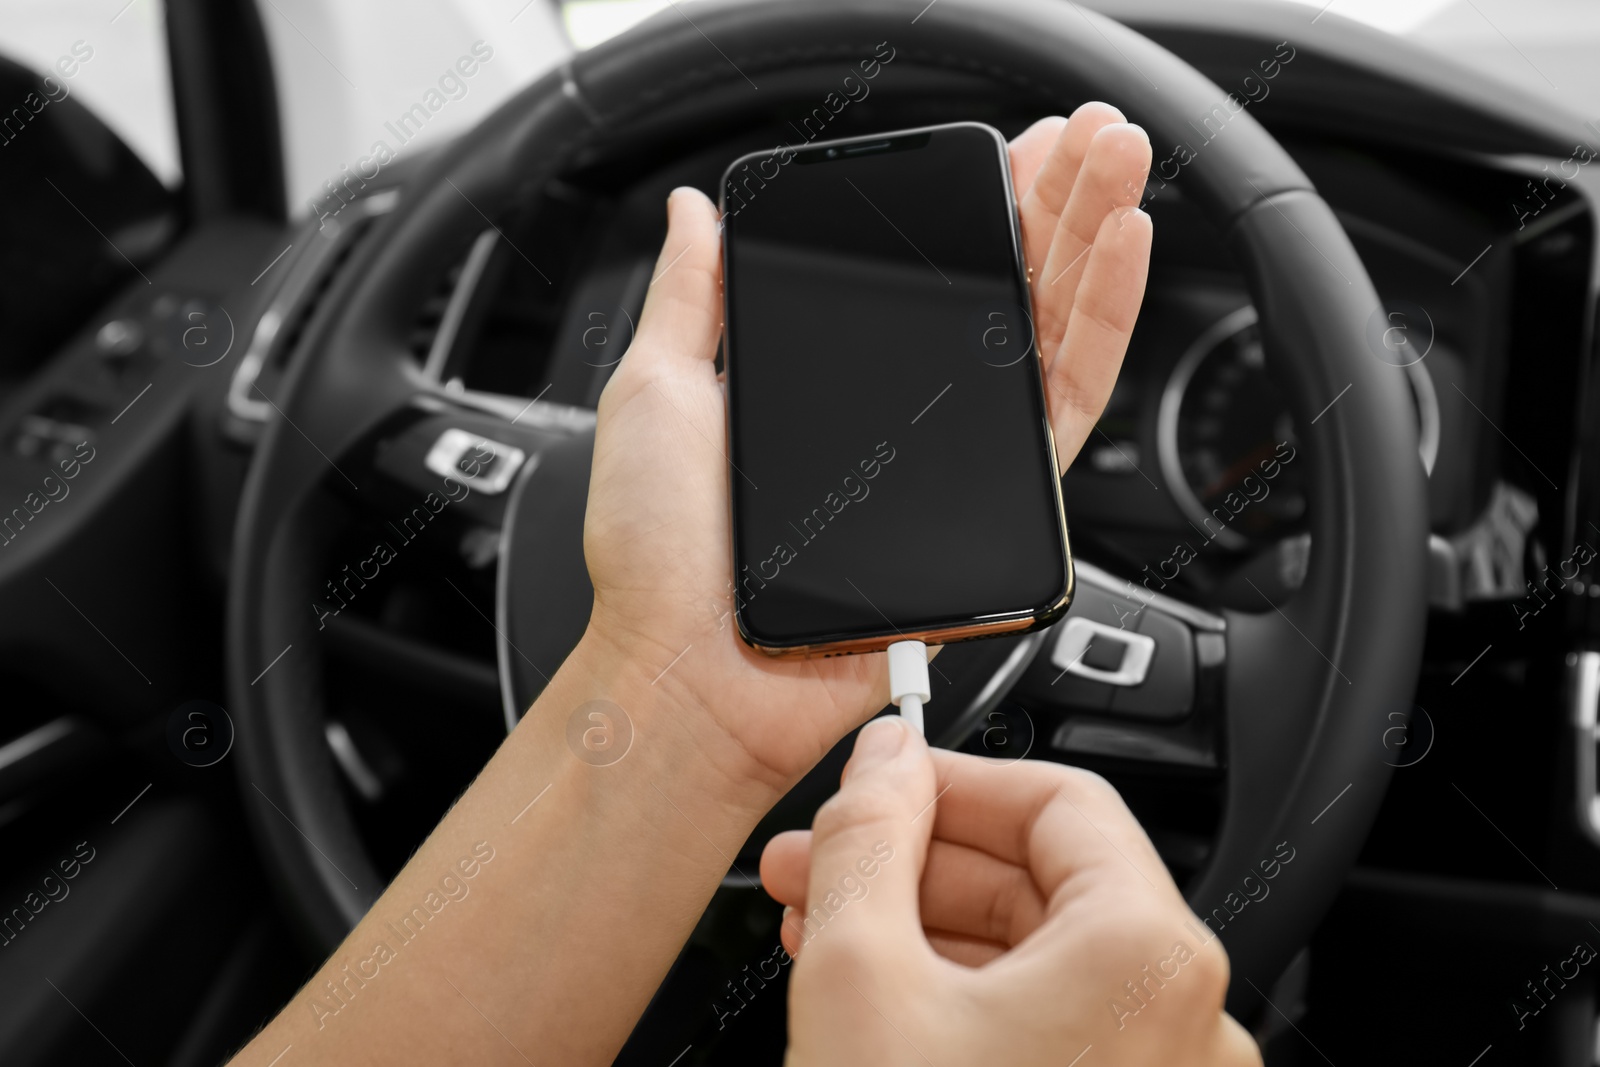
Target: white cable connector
column 908, row 680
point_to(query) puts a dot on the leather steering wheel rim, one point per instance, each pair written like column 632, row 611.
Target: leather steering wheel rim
column 1306, row 678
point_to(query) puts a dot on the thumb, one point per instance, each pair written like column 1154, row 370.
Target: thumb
column 682, row 315
column 869, row 845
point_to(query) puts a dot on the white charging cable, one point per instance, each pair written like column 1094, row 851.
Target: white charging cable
column 908, row 680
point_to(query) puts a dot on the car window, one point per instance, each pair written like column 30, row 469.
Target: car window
column 588, row 22
column 365, row 83
column 109, row 54
column 88, row 164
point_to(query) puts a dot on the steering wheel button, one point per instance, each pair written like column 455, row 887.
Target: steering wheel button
column 1167, row 692
column 1079, row 635
column 1104, row 654
column 118, row 338
column 485, row 465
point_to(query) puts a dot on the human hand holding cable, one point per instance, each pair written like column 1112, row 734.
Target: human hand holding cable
column 1021, row 917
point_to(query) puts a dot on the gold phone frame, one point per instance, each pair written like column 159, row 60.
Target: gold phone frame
column 984, row 626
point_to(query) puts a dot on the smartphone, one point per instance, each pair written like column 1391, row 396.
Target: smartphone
column 892, row 465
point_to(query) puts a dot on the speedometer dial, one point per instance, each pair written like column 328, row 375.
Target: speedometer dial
column 1227, row 441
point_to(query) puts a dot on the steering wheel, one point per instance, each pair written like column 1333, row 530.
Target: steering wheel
column 1289, row 702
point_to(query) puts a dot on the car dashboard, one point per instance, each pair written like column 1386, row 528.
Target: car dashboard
column 1474, row 215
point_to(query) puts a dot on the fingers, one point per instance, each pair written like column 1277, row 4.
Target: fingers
column 1029, row 150
column 1047, row 190
column 792, row 930
column 1004, row 838
column 1088, row 247
column 1110, row 181
column 969, row 892
column 786, row 867
column 1106, row 304
column 1236, row 1048
column 868, row 846
column 682, row 316
column 965, row 892
column 1054, row 820
column 965, row 950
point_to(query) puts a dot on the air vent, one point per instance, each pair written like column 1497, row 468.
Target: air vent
column 426, row 329
column 319, row 253
column 318, row 289
column 438, row 326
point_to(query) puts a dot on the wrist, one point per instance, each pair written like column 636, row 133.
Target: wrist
column 672, row 734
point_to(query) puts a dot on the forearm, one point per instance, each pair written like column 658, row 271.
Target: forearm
column 540, row 916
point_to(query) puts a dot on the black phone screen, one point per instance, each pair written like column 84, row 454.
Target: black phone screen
column 892, row 471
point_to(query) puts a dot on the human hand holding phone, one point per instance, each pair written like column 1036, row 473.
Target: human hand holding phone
column 951, row 909
column 656, row 529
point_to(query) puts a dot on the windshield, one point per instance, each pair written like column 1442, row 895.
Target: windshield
column 364, row 82
column 1543, row 46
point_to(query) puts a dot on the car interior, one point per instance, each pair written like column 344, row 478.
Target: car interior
column 1337, row 606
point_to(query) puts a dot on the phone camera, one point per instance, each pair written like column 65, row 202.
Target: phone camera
column 832, row 153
